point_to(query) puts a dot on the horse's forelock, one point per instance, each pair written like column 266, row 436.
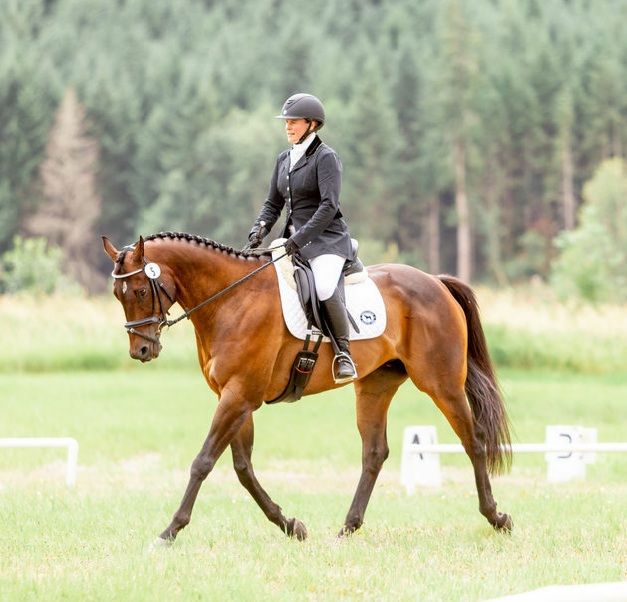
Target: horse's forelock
column 119, row 260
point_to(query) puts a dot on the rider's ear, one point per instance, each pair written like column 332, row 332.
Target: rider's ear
column 110, row 250
column 138, row 252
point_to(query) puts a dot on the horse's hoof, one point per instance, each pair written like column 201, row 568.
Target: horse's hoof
column 159, row 544
column 345, row 531
column 296, row 529
column 504, row 523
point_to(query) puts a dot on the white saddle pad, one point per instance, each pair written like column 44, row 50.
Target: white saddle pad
column 363, row 301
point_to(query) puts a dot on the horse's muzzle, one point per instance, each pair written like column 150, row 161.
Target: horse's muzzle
column 144, row 351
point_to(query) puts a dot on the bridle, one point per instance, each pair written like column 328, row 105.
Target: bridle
column 153, row 271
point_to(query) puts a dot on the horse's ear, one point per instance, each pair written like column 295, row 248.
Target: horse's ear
column 138, row 251
column 110, row 250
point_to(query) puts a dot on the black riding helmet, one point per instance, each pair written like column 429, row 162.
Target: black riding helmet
column 303, row 106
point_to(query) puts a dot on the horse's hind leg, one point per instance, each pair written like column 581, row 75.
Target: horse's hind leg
column 241, row 448
column 374, row 395
column 455, row 408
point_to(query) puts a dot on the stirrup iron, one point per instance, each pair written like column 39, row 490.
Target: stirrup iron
column 346, row 379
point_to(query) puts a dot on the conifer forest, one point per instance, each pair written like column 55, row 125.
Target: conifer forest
column 482, row 138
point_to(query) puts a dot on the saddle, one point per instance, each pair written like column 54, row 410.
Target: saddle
column 306, row 289
column 305, row 360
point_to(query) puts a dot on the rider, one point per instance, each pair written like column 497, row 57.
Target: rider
column 307, row 178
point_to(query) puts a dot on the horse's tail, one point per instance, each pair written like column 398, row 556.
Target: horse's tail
column 482, row 389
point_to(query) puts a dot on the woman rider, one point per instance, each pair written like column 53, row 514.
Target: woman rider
column 307, row 178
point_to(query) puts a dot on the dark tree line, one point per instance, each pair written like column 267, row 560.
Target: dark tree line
column 467, row 129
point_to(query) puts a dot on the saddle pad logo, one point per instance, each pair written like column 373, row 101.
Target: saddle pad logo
column 368, row 317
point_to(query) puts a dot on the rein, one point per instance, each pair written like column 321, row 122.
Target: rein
column 153, row 272
column 188, row 312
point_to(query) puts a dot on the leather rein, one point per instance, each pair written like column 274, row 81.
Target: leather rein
column 153, row 271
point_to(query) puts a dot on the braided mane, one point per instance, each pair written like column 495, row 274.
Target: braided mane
column 207, row 242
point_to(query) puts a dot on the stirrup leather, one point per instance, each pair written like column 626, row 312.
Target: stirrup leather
column 346, row 379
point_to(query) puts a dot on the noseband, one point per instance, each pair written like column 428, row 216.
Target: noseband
column 152, row 272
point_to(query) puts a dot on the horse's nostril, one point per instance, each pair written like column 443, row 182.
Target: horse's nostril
column 144, row 351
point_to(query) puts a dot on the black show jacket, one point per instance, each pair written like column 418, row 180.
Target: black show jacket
column 311, row 192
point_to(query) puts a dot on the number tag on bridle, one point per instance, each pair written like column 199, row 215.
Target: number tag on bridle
column 152, row 270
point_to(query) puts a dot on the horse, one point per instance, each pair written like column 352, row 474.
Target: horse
column 433, row 336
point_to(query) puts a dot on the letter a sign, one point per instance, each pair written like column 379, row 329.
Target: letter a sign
column 417, row 467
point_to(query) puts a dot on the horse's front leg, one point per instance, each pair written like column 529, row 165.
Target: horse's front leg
column 230, row 414
column 374, row 395
column 242, row 448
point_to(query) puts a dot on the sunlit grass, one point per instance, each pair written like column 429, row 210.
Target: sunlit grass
column 525, row 329
column 94, row 547
column 75, row 333
column 140, row 428
column 535, row 310
column 529, row 328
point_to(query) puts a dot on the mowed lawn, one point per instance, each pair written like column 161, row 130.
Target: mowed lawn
column 140, row 428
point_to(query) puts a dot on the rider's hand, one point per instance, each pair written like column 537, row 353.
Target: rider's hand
column 256, row 236
column 290, row 246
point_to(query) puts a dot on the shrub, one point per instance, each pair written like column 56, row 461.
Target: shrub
column 32, row 266
column 592, row 257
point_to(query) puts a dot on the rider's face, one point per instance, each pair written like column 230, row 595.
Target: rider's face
column 295, row 128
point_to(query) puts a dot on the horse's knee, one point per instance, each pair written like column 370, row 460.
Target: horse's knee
column 374, row 458
column 201, row 467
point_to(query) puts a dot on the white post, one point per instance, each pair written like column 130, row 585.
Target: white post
column 568, row 465
column 72, row 462
column 568, row 449
column 69, row 442
column 418, row 467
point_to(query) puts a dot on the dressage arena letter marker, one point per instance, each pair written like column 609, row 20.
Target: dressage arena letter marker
column 567, row 450
column 566, row 466
column 418, row 467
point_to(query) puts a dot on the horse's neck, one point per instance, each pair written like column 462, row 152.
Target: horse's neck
column 199, row 271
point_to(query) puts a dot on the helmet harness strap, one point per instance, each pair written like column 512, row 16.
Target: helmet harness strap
column 308, row 130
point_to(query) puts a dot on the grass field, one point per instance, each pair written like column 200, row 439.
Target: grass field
column 139, row 428
column 65, row 371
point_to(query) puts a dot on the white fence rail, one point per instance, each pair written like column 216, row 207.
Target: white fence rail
column 568, row 449
column 456, row 448
column 67, row 442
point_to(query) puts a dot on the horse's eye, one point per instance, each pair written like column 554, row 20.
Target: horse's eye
column 141, row 293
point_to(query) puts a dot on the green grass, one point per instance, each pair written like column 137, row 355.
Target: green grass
column 92, row 546
column 139, row 429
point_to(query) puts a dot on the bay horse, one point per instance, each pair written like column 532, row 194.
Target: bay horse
column 433, row 336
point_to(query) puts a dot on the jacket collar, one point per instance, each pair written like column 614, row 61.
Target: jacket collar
column 311, row 149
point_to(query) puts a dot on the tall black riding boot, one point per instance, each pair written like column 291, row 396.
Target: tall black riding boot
column 343, row 366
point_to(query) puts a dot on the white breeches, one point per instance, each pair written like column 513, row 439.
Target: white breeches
column 326, row 270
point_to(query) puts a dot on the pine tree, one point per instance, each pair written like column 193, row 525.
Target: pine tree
column 70, row 204
column 460, row 72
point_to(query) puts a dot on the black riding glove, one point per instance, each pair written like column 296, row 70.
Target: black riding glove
column 256, row 236
column 290, row 246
